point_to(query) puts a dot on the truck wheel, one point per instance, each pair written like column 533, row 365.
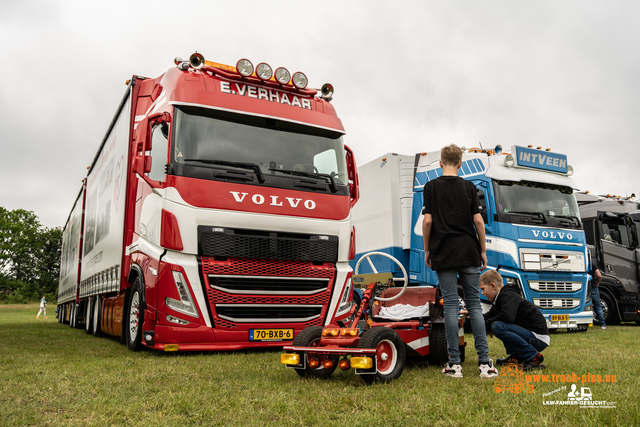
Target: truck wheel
column 438, row 350
column 135, row 317
column 609, row 309
column 87, row 316
column 72, row 315
column 60, row 314
column 390, row 353
column 97, row 317
column 310, row 337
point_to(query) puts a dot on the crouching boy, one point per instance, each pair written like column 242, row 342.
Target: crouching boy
column 518, row 323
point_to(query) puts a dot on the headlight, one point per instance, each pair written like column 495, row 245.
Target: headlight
column 244, row 67
column 185, row 304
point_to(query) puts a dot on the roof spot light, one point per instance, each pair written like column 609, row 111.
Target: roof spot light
column 283, row 76
column 299, row 80
column 244, row 67
column 264, row 71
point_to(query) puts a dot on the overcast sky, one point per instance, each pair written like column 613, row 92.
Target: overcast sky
column 410, row 76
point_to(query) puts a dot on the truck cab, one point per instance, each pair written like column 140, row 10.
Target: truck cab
column 611, row 226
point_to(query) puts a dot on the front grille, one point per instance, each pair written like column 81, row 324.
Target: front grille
column 266, row 291
column 556, row 303
column 257, row 244
column 548, row 286
column 268, row 285
column 268, row 312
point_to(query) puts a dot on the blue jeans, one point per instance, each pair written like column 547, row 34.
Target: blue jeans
column 470, row 281
column 597, row 306
column 517, row 340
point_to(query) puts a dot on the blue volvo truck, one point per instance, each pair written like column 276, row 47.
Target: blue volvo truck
column 534, row 234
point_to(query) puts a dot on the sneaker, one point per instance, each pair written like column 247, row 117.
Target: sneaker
column 37, row 317
column 604, row 327
column 487, row 370
column 452, row 370
column 512, row 359
column 537, row 359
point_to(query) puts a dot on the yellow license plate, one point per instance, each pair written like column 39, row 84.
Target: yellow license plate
column 559, row 317
column 270, row 334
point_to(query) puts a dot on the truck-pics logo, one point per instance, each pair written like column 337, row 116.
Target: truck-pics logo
column 259, row 199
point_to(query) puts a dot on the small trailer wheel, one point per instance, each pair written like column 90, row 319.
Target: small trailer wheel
column 390, row 353
column 310, row 337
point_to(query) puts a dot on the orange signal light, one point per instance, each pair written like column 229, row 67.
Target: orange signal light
column 349, row 332
column 539, row 148
column 327, row 363
column 313, row 363
column 344, row 364
column 331, row 332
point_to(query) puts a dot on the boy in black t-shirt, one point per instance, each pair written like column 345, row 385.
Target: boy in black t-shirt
column 454, row 246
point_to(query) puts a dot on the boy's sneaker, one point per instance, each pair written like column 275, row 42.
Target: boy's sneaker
column 537, row 359
column 487, row 370
column 512, row 359
column 452, row 370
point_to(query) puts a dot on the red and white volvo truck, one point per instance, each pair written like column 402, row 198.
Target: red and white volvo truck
column 216, row 214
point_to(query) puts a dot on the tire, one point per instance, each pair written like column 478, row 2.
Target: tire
column 438, row 349
column 87, row 316
column 72, row 315
column 96, row 331
column 609, row 309
column 59, row 314
column 134, row 317
column 390, row 354
column 62, row 313
column 310, row 337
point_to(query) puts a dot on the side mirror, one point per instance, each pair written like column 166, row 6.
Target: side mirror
column 142, row 164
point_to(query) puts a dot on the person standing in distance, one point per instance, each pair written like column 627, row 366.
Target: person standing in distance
column 454, row 246
column 43, row 307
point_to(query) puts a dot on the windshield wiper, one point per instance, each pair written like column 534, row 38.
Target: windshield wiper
column 540, row 215
column 250, row 166
column 572, row 218
column 332, row 183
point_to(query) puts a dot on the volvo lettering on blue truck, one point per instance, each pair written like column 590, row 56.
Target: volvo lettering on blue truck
column 534, row 234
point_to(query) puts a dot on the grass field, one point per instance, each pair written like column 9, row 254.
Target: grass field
column 52, row 375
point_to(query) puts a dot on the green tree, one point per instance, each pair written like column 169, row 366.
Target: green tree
column 29, row 256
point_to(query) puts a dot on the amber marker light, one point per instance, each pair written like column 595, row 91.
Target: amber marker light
column 349, row 332
column 361, row 362
column 313, row 363
column 290, row 359
column 344, row 364
column 331, row 332
column 171, row 347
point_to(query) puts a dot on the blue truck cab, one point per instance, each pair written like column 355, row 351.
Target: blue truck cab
column 534, row 234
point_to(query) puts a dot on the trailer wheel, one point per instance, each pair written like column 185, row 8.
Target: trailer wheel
column 135, row 317
column 97, row 317
column 438, row 350
column 87, row 316
column 310, row 337
column 60, row 313
column 390, row 353
column 609, row 309
column 72, row 315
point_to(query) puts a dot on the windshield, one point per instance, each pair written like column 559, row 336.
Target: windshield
column 527, row 202
column 257, row 149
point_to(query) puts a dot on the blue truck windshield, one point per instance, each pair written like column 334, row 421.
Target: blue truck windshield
column 527, row 202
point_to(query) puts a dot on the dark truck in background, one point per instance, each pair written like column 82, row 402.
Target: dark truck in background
column 611, row 226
